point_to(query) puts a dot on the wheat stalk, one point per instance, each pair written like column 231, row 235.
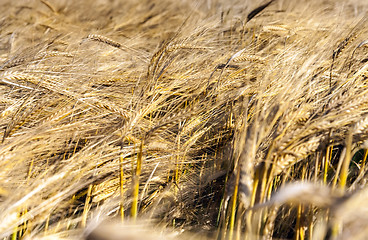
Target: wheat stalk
column 103, row 39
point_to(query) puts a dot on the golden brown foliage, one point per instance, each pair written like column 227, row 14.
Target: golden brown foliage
column 217, row 118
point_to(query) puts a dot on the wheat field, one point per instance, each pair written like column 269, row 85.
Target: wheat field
column 183, row 119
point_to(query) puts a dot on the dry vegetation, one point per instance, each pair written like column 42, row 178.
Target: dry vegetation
column 187, row 119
